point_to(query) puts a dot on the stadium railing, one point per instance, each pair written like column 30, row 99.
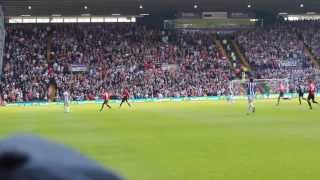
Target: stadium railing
column 207, row 98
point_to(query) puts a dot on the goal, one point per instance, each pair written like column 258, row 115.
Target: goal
column 264, row 87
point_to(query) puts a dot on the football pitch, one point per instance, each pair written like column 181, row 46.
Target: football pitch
column 184, row 140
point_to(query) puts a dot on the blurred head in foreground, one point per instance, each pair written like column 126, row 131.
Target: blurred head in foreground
column 32, row 158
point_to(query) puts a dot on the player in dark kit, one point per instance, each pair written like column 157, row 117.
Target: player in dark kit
column 281, row 92
column 125, row 97
column 106, row 100
column 311, row 95
column 300, row 92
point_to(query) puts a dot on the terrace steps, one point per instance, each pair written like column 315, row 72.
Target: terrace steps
column 312, row 57
column 222, row 51
column 49, row 46
column 52, row 89
column 242, row 57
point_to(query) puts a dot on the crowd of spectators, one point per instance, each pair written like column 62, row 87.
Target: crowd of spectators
column 88, row 59
column 278, row 52
column 24, row 69
column 150, row 62
column 273, row 47
column 310, row 31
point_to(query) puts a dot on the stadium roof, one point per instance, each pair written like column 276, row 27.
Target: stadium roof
column 131, row 7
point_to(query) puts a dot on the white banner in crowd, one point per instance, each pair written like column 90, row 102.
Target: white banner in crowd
column 169, row 67
column 78, row 68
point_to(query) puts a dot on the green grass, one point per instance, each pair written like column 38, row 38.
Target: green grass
column 185, row 140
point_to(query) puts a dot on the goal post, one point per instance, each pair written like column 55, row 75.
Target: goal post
column 265, row 88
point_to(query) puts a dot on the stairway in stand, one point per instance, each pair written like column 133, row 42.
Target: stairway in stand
column 225, row 43
column 222, row 51
column 313, row 59
column 49, row 46
column 52, row 89
column 240, row 55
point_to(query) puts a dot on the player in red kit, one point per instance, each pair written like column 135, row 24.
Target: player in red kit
column 312, row 93
column 106, row 98
column 282, row 90
column 125, row 97
column 1, row 101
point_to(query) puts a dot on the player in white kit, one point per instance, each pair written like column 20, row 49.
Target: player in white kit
column 66, row 98
column 231, row 92
column 251, row 92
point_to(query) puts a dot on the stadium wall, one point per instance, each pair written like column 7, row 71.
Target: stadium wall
column 182, row 99
column 155, row 19
column 268, row 18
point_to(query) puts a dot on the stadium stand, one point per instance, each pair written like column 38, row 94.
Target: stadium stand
column 278, row 52
column 88, row 58
column 25, row 72
column 311, row 35
column 152, row 63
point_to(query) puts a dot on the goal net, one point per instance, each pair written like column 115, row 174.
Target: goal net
column 264, row 87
